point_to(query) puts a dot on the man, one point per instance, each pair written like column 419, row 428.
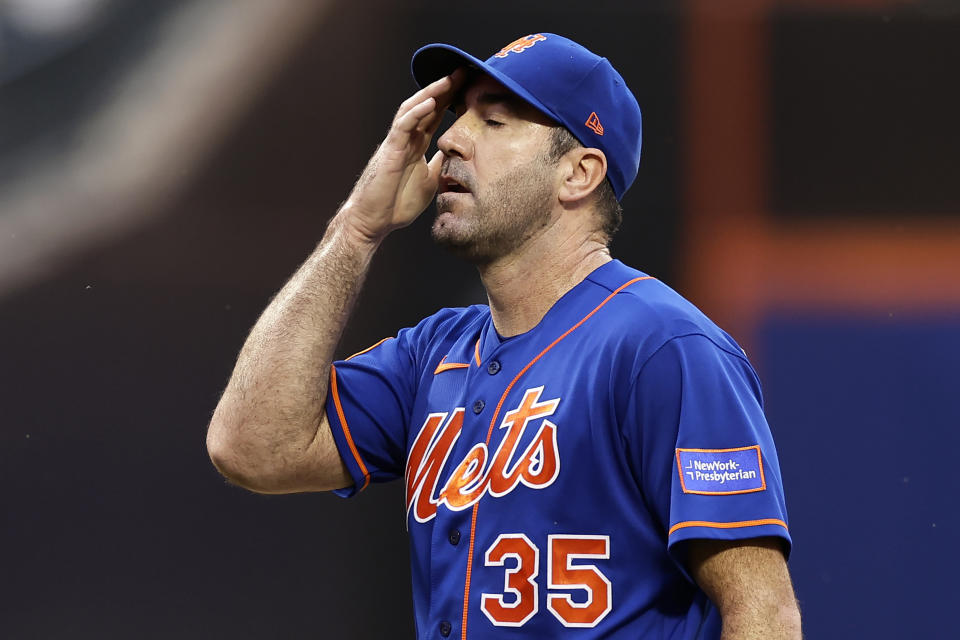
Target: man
column 587, row 455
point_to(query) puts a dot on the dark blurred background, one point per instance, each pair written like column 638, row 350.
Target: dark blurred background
column 164, row 166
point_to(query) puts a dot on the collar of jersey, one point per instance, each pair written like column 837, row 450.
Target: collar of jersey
column 564, row 313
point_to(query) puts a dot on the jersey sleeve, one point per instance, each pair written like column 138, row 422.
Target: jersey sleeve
column 701, row 446
column 369, row 401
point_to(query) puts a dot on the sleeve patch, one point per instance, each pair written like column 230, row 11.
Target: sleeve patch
column 721, row 472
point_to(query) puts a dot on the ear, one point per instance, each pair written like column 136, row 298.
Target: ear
column 584, row 168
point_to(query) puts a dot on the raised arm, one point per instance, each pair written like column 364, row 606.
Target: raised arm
column 269, row 432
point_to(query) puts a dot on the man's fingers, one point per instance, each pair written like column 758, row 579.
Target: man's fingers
column 457, row 79
column 420, row 116
column 433, row 168
column 432, row 90
column 443, row 89
column 409, row 121
column 431, row 122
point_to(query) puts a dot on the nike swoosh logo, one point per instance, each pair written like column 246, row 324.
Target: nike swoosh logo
column 446, row 366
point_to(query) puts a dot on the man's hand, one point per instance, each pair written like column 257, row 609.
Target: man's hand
column 398, row 182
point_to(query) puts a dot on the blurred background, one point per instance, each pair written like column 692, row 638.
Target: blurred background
column 164, row 167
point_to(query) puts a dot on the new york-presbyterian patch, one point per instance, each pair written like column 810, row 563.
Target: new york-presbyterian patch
column 721, row 472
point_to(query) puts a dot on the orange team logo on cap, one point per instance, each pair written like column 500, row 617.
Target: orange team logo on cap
column 594, row 123
column 521, row 44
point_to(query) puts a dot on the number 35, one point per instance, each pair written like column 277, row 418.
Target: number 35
column 520, row 581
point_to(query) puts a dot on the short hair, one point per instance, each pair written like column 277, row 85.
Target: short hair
column 611, row 213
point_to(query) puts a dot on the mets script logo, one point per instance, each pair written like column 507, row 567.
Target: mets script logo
column 520, row 44
column 479, row 473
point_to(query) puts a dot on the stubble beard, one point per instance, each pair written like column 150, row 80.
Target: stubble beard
column 500, row 219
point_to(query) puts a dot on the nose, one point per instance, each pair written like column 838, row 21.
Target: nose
column 457, row 140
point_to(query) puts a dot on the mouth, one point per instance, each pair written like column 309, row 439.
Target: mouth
column 449, row 184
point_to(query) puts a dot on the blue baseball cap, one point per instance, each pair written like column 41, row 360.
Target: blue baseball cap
column 568, row 83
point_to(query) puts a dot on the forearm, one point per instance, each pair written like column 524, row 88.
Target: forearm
column 749, row 582
column 775, row 622
column 268, row 431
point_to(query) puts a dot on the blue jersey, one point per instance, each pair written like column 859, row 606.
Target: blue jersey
column 552, row 477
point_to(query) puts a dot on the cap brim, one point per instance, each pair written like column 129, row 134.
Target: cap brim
column 435, row 61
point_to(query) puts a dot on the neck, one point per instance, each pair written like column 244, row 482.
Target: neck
column 522, row 286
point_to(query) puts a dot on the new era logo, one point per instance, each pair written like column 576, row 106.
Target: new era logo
column 520, row 44
column 594, row 123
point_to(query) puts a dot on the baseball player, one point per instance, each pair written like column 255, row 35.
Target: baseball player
column 587, row 455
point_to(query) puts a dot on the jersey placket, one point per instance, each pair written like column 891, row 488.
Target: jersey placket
column 450, row 539
column 497, row 367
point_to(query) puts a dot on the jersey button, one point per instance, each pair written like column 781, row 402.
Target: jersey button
column 454, row 537
column 493, row 368
column 478, row 406
column 445, row 628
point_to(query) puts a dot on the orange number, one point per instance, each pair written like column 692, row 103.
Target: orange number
column 563, row 574
column 519, row 582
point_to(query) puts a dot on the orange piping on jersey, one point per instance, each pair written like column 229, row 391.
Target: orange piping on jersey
column 752, row 446
column 346, row 429
column 763, row 477
column 476, row 352
column 493, row 421
column 370, row 348
column 446, row 366
column 726, row 525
